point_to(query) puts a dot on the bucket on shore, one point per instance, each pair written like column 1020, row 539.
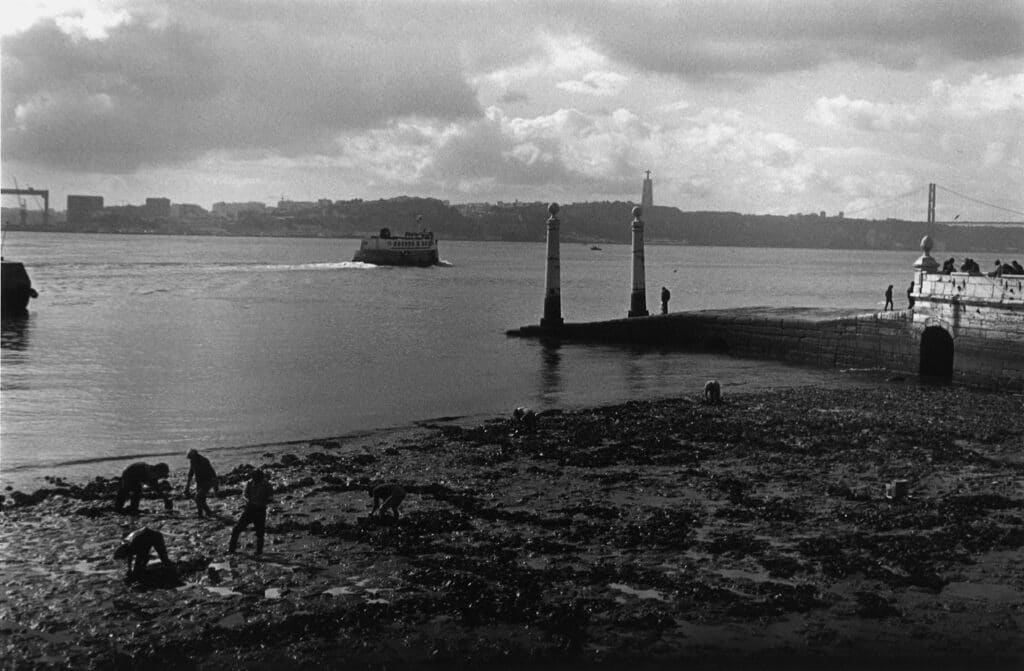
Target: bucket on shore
column 897, row 489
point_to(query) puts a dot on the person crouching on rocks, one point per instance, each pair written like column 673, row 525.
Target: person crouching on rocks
column 206, row 479
column 258, row 495
column 135, row 549
column 132, row 480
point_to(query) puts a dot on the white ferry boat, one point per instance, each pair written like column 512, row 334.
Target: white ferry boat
column 410, row 249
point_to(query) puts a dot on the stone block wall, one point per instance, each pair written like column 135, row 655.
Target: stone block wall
column 985, row 318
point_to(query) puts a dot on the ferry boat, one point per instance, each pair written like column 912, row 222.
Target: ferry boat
column 410, row 249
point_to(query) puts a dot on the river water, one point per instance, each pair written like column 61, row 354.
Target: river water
column 146, row 346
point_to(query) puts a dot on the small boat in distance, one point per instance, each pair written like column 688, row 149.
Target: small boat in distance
column 410, row 249
column 595, row 248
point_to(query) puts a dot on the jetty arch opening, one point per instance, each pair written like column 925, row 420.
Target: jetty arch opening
column 936, row 354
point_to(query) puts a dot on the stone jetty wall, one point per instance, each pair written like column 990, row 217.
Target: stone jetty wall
column 909, row 342
column 963, row 327
column 821, row 337
column 982, row 316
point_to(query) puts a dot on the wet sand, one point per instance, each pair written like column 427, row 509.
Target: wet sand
column 654, row 534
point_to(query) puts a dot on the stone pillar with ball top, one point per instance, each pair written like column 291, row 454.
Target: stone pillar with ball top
column 638, row 298
column 926, row 263
column 552, row 276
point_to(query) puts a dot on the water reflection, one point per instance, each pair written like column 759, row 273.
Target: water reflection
column 14, row 333
column 550, row 375
column 634, row 375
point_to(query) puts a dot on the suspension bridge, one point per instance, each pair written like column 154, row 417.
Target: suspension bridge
column 944, row 206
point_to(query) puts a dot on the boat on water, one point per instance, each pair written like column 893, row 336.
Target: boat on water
column 595, row 248
column 16, row 289
column 409, row 249
column 15, row 285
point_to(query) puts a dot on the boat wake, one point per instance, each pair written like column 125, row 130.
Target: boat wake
column 340, row 265
column 445, row 264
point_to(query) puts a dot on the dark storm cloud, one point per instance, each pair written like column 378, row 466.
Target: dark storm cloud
column 284, row 79
column 704, row 39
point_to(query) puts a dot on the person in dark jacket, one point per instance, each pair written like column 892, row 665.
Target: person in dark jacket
column 888, row 299
column 206, row 479
column 135, row 549
column 665, row 296
column 258, row 495
column 910, row 296
column 132, row 480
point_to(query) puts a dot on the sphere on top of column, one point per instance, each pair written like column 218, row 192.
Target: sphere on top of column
column 637, row 211
column 926, row 263
column 553, row 209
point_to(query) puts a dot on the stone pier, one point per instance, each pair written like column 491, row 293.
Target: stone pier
column 965, row 328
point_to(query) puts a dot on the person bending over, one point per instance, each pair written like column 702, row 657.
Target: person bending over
column 206, row 479
column 135, row 550
column 258, row 495
column 132, row 480
column 387, row 497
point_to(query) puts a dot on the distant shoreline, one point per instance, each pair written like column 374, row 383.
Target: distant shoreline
column 1001, row 250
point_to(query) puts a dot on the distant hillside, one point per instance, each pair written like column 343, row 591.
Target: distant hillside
column 580, row 222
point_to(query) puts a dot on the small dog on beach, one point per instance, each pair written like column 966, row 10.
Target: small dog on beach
column 386, row 497
column 526, row 418
column 712, row 391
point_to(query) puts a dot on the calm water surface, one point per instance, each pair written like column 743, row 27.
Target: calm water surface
column 150, row 345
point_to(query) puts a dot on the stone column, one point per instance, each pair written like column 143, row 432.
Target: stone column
column 638, row 298
column 552, row 275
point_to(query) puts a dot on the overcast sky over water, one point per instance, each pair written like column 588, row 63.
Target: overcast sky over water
column 770, row 107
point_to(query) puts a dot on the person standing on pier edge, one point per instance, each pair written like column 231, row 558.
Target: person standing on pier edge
column 665, row 295
column 258, row 495
column 206, row 479
column 910, row 296
column 888, row 299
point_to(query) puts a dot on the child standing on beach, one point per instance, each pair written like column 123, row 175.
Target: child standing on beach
column 258, row 495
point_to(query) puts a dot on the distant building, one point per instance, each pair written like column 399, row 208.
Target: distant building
column 181, row 211
column 82, row 208
column 288, row 206
column 158, row 207
column 232, row 210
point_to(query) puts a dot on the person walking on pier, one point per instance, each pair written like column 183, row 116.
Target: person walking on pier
column 910, row 296
column 665, row 295
column 888, row 299
column 258, row 495
column 206, row 479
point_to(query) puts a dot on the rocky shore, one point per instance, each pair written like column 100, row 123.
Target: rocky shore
column 659, row 534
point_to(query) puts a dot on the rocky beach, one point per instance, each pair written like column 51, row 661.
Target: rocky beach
column 672, row 533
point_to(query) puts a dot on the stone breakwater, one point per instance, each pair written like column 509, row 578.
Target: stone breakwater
column 750, row 534
column 830, row 338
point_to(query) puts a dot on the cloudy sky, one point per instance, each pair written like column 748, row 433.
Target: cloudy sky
column 769, row 106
